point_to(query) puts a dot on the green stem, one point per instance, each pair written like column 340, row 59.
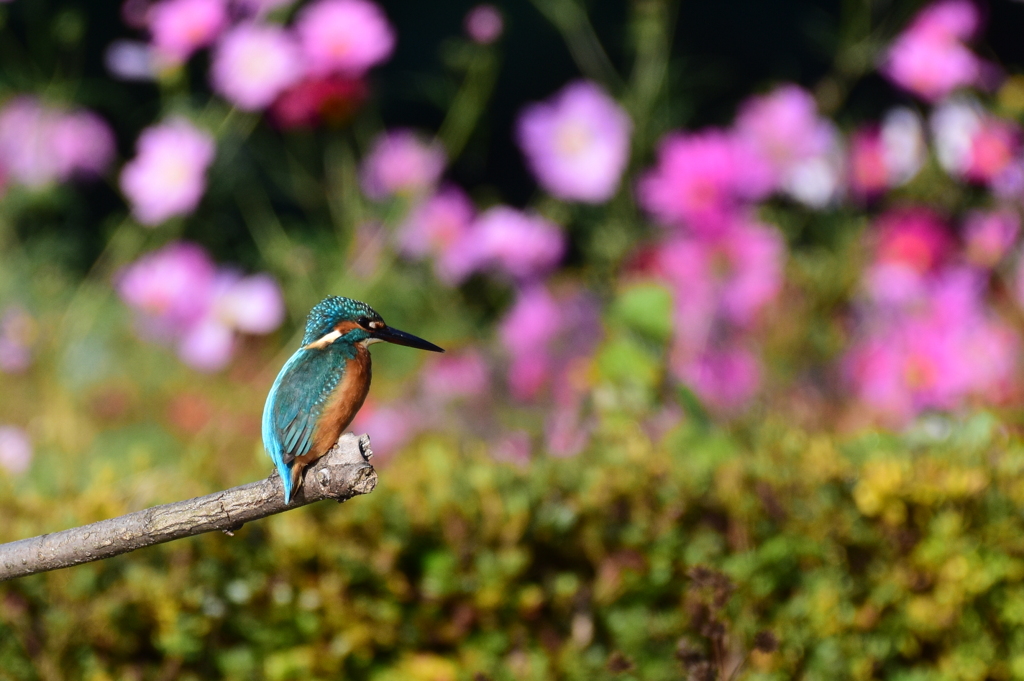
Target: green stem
column 572, row 22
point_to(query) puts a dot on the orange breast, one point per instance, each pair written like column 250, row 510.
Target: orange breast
column 344, row 403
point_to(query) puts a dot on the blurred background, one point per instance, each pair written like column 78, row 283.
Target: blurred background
column 733, row 299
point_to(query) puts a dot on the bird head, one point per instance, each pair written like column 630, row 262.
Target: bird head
column 338, row 319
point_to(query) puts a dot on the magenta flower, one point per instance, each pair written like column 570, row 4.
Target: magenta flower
column 344, row 36
column 701, row 179
column 456, row 376
column 938, row 353
column 729, row 278
column 929, row 58
column 724, row 379
column 180, row 27
column 526, row 333
column 508, row 241
column 253, row 64
column 167, row 177
column 391, row 426
column 252, row 304
column 484, row 24
column 207, row 346
column 577, row 144
column 989, row 236
column 886, row 156
column 15, row 450
column 401, row 164
column 801, row 148
column 436, row 228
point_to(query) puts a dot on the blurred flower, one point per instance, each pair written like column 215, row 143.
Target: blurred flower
column 727, row 278
column 344, row 36
column 183, row 299
column 436, row 227
column 509, row 241
column 170, row 285
column 252, row 305
column 989, row 236
column 484, row 24
column 935, row 355
column 724, row 379
column 911, row 243
column 525, row 332
column 889, row 155
column 41, row 144
column 577, row 145
column 167, row 177
column 330, row 99
column 971, row 143
column 801, row 148
column 83, row 145
column 701, row 178
column 259, row 8
column 566, row 432
column 18, row 333
column 400, row 163
column 253, row 64
column 390, row 427
column 15, row 449
column 130, row 60
column 180, row 27
column 929, row 58
column 456, row 376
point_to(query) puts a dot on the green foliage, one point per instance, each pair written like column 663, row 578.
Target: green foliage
column 875, row 557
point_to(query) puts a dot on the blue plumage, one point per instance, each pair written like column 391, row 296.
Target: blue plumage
column 322, row 385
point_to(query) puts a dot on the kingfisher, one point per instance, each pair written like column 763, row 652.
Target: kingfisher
column 322, row 386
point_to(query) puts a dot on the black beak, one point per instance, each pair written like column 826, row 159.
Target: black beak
column 402, row 338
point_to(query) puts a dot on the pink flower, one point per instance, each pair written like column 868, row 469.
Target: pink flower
column 509, row 241
column 724, row 379
column 484, row 24
column 730, row 278
column 390, row 427
column 40, row 144
column 532, row 323
column 399, row 163
column 456, row 376
column 801, row 148
column 167, row 177
column 255, row 63
column 939, row 353
column 929, row 58
column 15, row 450
column 183, row 299
column 83, row 145
column 180, row 27
column 344, row 36
column 252, row 305
column 700, row 179
column 886, row 156
column 130, row 60
column 577, row 145
column 989, row 235
column 18, row 333
column 436, row 228
column 171, row 285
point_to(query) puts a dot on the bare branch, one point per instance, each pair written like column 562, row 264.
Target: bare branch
column 342, row 474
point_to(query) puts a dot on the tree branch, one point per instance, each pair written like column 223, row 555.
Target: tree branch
column 341, row 474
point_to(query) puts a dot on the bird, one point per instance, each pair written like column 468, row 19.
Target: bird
column 321, row 387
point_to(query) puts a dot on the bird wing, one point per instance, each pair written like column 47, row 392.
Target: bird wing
column 295, row 403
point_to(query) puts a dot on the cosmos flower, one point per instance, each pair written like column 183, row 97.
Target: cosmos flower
column 15, row 450
column 315, row 100
column 507, row 241
column 930, row 58
column 484, row 24
column 344, row 36
column 401, row 164
column 701, row 179
column 455, row 376
column 887, row 155
column 801, row 148
column 989, row 236
column 577, row 144
column 41, row 144
column 180, row 27
column 437, row 227
column 723, row 378
column 253, row 64
column 167, row 177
